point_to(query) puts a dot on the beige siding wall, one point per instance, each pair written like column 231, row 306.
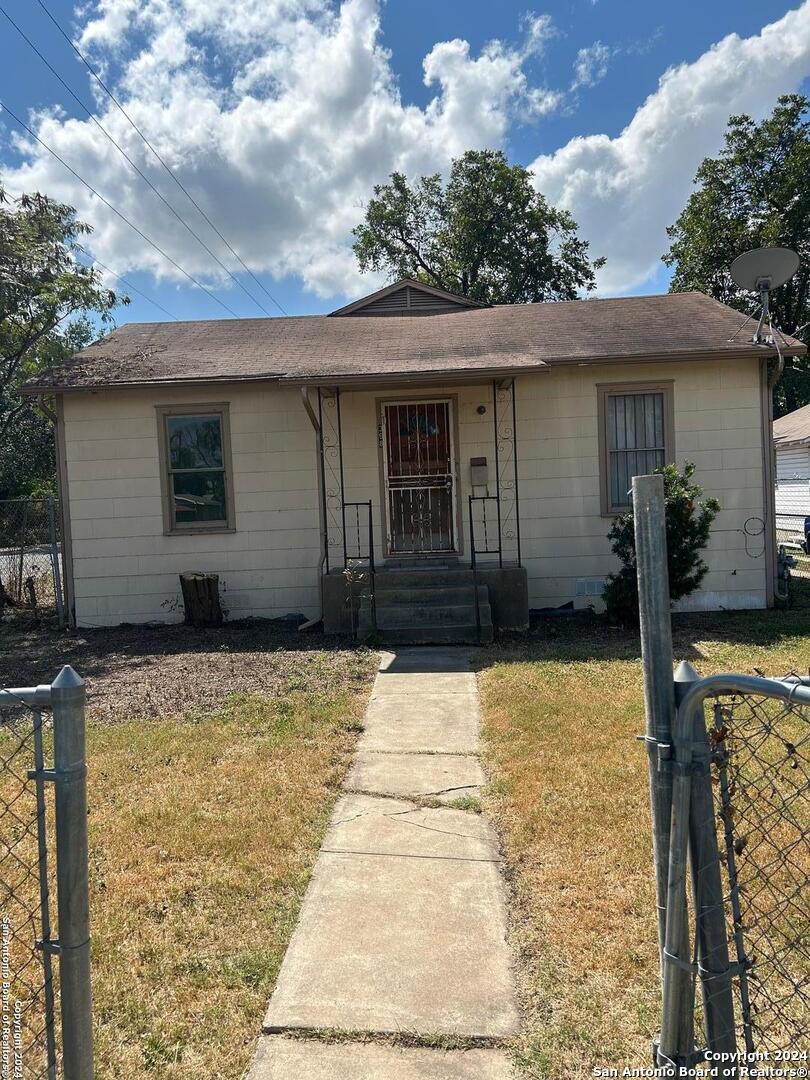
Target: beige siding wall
column 564, row 541
column 126, row 570
column 717, row 426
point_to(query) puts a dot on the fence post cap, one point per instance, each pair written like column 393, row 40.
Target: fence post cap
column 68, row 679
column 685, row 675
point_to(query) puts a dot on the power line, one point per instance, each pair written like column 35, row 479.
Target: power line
column 120, row 277
column 134, row 288
column 179, row 183
column 117, row 212
column 130, row 162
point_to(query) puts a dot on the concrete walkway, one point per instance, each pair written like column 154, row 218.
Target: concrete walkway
column 403, row 927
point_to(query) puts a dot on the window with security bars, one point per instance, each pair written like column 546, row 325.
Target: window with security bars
column 636, row 439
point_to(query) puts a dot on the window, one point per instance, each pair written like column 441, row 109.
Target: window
column 195, row 451
column 636, row 425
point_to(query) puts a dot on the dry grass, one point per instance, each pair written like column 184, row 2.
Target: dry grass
column 204, row 825
column 569, row 794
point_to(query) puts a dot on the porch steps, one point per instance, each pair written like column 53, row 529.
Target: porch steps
column 426, row 605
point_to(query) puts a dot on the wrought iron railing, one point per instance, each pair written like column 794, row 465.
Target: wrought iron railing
column 358, row 535
column 485, row 528
column 358, row 549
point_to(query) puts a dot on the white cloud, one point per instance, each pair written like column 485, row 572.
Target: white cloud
column 624, row 191
column 591, row 65
column 279, row 122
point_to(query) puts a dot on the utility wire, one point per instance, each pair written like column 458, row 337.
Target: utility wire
column 179, row 183
column 123, row 280
column 135, row 289
column 130, row 162
column 117, row 212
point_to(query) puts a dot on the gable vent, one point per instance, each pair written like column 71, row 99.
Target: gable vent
column 409, row 298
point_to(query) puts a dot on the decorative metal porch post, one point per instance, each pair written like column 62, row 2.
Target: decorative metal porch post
column 332, row 476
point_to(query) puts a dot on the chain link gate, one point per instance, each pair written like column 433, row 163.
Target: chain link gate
column 761, row 765
column 31, row 555
column 44, row 976
column 730, row 798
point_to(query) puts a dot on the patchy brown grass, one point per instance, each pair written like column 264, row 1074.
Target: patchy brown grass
column 211, row 776
column 569, row 795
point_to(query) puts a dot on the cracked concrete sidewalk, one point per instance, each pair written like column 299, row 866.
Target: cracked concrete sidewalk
column 403, row 927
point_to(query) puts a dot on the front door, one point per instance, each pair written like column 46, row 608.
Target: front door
column 419, row 475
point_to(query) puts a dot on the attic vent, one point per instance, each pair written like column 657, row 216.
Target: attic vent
column 408, row 298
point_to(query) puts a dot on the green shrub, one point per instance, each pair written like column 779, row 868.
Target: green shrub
column 688, row 524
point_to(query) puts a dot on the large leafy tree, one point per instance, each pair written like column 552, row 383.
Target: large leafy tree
column 486, row 234
column 755, row 193
column 49, row 300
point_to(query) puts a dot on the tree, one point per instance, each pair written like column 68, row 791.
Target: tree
column 756, row 193
column 486, row 234
column 47, row 298
column 688, row 521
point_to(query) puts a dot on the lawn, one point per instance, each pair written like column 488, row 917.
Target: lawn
column 214, row 759
column 562, row 709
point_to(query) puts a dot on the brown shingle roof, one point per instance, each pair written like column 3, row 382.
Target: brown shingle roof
column 793, row 428
column 504, row 339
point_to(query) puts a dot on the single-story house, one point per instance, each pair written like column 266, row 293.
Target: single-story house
column 473, row 456
column 791, row 440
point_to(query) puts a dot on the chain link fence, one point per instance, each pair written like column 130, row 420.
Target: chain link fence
column 29, row 990
column 30, row 556
column 761, row 767
column 43, row 855
column 793, row 556
column 730, row 800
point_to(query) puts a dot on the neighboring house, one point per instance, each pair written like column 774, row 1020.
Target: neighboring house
column 791, row 440
column 270, row 450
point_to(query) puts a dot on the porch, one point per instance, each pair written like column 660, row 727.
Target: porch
column 420, row 510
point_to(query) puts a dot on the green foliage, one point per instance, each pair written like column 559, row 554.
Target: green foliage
column 46, row 299
column 486, row 234
column 756, row 193
column 689, row 522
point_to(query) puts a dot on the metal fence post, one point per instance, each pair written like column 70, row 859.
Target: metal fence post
column 659, row 705
column 57, row 575
column 67, row 701
column 707, row 888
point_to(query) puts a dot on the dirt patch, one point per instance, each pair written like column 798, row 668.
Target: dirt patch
column 135, row 672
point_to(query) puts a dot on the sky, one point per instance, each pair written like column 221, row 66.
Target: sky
column 277, row 117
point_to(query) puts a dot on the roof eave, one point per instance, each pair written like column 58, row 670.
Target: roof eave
column 791, row 444
column 745, row 352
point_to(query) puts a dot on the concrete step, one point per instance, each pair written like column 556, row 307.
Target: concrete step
column 465, row 634
column 437, row 578
column 416, row 615
column 428, row 596
column 413, row 563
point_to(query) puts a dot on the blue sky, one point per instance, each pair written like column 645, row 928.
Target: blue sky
column 280, row 122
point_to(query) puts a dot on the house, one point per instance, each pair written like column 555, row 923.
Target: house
column 473, row 455
column 791, row 440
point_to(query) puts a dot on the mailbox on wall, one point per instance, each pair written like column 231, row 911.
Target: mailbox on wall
column 479, row 472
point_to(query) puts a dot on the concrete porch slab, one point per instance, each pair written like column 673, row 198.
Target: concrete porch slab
column 278, row 1058
column 422, row 722
column 365, row 824
column 361, row 959
column 439, row 776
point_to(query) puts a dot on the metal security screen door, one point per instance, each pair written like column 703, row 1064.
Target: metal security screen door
column 419, row 477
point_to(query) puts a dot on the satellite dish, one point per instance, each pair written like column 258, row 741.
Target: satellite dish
column 762, row 270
